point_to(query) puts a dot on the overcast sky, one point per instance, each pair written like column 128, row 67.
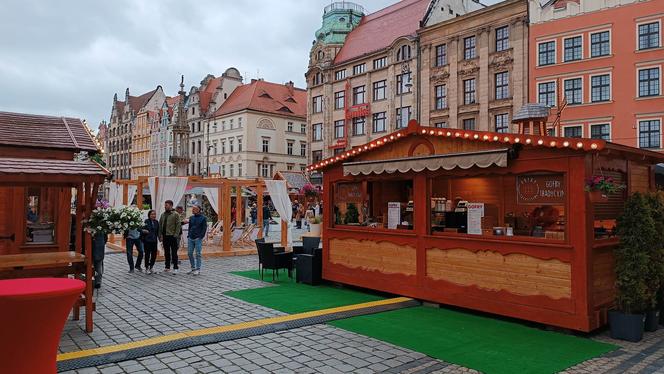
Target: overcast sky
column 69, row 57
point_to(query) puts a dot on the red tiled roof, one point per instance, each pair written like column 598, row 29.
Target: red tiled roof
column 378, row 30
column 171, row 102
column 252, row 97
column 138, row 102
column 205, row 95
column 120, row 106
column 43, row 166
column 38, row 131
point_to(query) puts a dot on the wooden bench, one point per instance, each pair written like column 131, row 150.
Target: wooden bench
column 53, row 264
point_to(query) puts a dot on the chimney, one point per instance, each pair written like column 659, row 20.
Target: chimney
column 291, row 87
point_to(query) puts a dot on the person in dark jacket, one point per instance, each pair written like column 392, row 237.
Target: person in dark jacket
column 197, row 230
column 98, row 252
column 150, row 239
column 266, row 219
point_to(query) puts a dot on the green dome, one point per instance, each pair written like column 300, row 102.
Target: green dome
column 338, row 20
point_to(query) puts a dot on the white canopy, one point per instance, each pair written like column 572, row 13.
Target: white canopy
column 169, row 188
column 281, row 201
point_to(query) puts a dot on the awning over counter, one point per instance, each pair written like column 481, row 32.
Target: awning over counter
column 465, row 160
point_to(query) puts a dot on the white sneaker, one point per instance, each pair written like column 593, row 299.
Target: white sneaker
column 175, row 271
column 197, row 272
column 167, row 270
column 192, row 271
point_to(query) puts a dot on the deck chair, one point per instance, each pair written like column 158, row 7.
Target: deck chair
column 236, row 234
column 244, row 239
column 212, row 232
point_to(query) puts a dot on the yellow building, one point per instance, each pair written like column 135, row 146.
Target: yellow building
column 140, row 147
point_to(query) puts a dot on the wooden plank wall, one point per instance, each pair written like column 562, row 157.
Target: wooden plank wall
column 385, row 257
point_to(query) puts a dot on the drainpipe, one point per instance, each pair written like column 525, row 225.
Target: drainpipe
column 419, row 74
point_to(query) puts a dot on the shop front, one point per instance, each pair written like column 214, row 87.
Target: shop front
column 494, row 222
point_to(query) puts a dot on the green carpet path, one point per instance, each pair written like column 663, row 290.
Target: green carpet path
column 482, row 343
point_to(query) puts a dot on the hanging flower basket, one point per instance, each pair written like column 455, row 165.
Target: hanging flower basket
column 310, row 191
column 600, row 187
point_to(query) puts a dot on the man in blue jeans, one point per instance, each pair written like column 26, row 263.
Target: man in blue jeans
column 133, row 239
column 197, row 230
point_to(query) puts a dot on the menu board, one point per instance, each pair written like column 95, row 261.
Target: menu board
column 393, row 214
column 349, row 192
column 475, row 214
column 540, row 189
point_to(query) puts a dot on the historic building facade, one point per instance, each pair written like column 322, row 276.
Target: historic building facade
column 260, row 129
column 201, row 103
column 121, row 127
column 474, row 71
column 161, row 138
column 599, row 65
column 363, row 78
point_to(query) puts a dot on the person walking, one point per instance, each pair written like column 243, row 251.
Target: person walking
column 266, row 219
column 170, row 228
column 253, row 213
column 133, row 239
column 197, row 230
column 150, row 240
column 98, row 252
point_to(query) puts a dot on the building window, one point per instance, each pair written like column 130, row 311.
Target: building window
column 403, row 53
column 402, row 121
column 600, row 88
column 649, row 35
column 573, row 132
column 573, row 91
column 339, row 99
column 649, row 82
column 239, row 169
column 502, row 123
column 231, row 144
column 317, row 79
column 339, row 127
column 403, row 83
column 573, row 48
column 358, row 95
column 469, row 91
column 239, row 144
column 546, row 93
column 317, row 104
column 223, row 147
column 303, row 128
column 601, row 131
column 317, row 132
column 440, row 125
column 469, row 124
column 289, row 147
column 358, row 126
column 441, row 97
column 502, row 38
column 290, row 167
column 290, row 127
column 264, row 169
column 379, row 90
column 599, row 44
column 441, row 55
column 230, row 169
column 469, row 51
column 340, row 74
column 223, row 170
column 379, row 122
column 379, row 63
column 546, row 53
column 316, row 156
column 649, row 134
column 303, row 149
column 266, row 145
column 502, row 85
column 359, row 69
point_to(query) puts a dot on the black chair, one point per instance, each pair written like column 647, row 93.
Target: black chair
column 260, row 259
column 309, row 267
column 270, row 259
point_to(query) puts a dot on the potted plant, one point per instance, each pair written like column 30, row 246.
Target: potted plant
column 314, row 225
column 637, row 233
column 309, row 191
column 600, row 187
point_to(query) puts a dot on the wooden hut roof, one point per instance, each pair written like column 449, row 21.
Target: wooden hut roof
column 48, row 166
column 51, row 132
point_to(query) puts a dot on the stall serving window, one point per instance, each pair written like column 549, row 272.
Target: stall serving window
column 40, row 216
column 531, row 205
column 386, row 204
column 607, row 210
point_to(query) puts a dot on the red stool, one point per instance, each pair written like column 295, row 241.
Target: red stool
column 33, row 312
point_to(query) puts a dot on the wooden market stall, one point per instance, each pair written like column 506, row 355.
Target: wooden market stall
column 229, row 193
column 494, row 222
column 45, row 193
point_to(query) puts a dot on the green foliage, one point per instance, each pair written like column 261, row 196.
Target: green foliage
column 207, row 211
column 147, row 207
column 352, row 214
column 317, row 220
column 97, row 157
column 637, row 268
column 656, row 202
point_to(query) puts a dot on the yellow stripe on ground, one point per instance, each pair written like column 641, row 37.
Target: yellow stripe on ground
column 225, row 328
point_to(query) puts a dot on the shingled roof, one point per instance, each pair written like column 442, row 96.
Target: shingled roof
column 531, row 111
column 380, row 29
column 266, row 97
column 138, row 102
column 39, row 131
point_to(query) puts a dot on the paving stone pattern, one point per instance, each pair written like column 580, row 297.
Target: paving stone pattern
column 137, row 306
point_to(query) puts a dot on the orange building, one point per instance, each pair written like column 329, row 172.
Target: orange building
column 601, row 62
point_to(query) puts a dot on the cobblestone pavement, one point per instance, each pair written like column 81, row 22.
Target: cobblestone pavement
column 137, row 306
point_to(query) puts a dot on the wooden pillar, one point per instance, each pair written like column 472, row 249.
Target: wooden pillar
column 227, row 217
column 259, row 209
column 284, row 232
column 125, row 193
column 139, row 194
column 239, row 206
column 80, row 203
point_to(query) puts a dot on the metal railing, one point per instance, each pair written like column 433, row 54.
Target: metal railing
column 344, row 5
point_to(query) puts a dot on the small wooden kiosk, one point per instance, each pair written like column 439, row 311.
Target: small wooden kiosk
column 489, row 221
column 44, row 196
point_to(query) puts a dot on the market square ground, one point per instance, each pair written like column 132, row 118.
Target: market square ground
column 132, row 307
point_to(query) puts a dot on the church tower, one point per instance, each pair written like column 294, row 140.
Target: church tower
column 180, row 155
